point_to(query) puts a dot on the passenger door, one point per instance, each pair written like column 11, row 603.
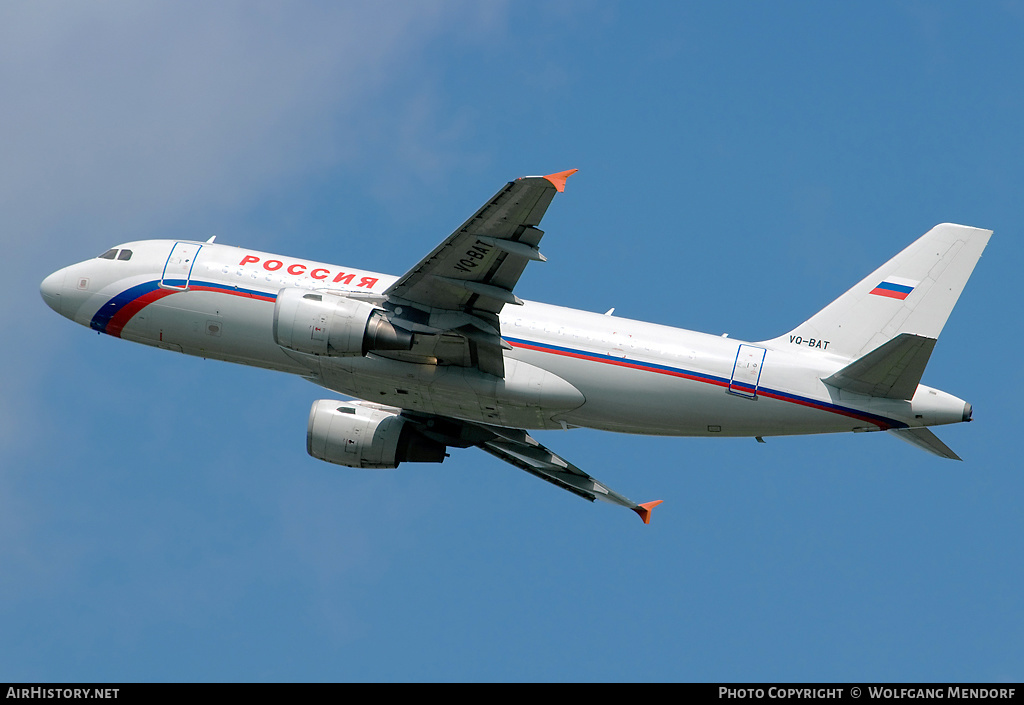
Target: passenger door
column 178, row 269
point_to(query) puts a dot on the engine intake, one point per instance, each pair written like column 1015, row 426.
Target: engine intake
column 358, row 436
column 322, row 323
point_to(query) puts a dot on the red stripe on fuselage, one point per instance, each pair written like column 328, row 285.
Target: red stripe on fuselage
column 761, row 391
column 621, row 362
column 121, row 318
column 234, row 292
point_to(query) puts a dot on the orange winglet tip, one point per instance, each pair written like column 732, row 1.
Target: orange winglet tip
column 560, row 178
column 644, row 510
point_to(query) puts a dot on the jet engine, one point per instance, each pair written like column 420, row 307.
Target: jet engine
column 363, row 436
column 322, row 323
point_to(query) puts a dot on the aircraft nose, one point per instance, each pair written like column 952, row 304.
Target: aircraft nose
column 51, row 289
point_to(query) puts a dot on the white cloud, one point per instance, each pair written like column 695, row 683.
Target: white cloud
column 137, row 109
column 121, row 117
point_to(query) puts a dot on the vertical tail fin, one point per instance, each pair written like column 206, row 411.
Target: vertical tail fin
column 912, row 293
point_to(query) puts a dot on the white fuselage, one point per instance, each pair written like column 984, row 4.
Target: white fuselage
column 566, row 367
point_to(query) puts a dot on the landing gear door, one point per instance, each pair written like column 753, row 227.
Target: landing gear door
column 178, row 269
column 746, row 371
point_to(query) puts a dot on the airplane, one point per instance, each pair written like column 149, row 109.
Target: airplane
column 447, row 356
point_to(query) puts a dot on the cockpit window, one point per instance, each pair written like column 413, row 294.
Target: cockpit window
column 116, row 254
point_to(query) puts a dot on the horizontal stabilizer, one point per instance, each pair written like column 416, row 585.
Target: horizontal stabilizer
column 892, row 370
column 926, row 440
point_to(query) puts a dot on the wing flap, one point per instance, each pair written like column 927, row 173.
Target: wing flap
column 497, row 293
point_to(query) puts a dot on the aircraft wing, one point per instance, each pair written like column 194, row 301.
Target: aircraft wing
column 518, row 448
column 459, row 288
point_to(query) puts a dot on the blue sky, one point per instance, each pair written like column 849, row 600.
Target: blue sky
column 741, row 165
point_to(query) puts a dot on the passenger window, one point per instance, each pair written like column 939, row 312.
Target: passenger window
column 109, row 254
column 124, row 254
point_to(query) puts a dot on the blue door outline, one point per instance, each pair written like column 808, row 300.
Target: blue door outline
column 746, row 371
column 178, row 268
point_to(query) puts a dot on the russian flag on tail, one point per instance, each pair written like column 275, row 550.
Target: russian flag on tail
column 895, row 288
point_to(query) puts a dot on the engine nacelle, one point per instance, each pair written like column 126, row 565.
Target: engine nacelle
column 358, row 436
column 322, row 323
